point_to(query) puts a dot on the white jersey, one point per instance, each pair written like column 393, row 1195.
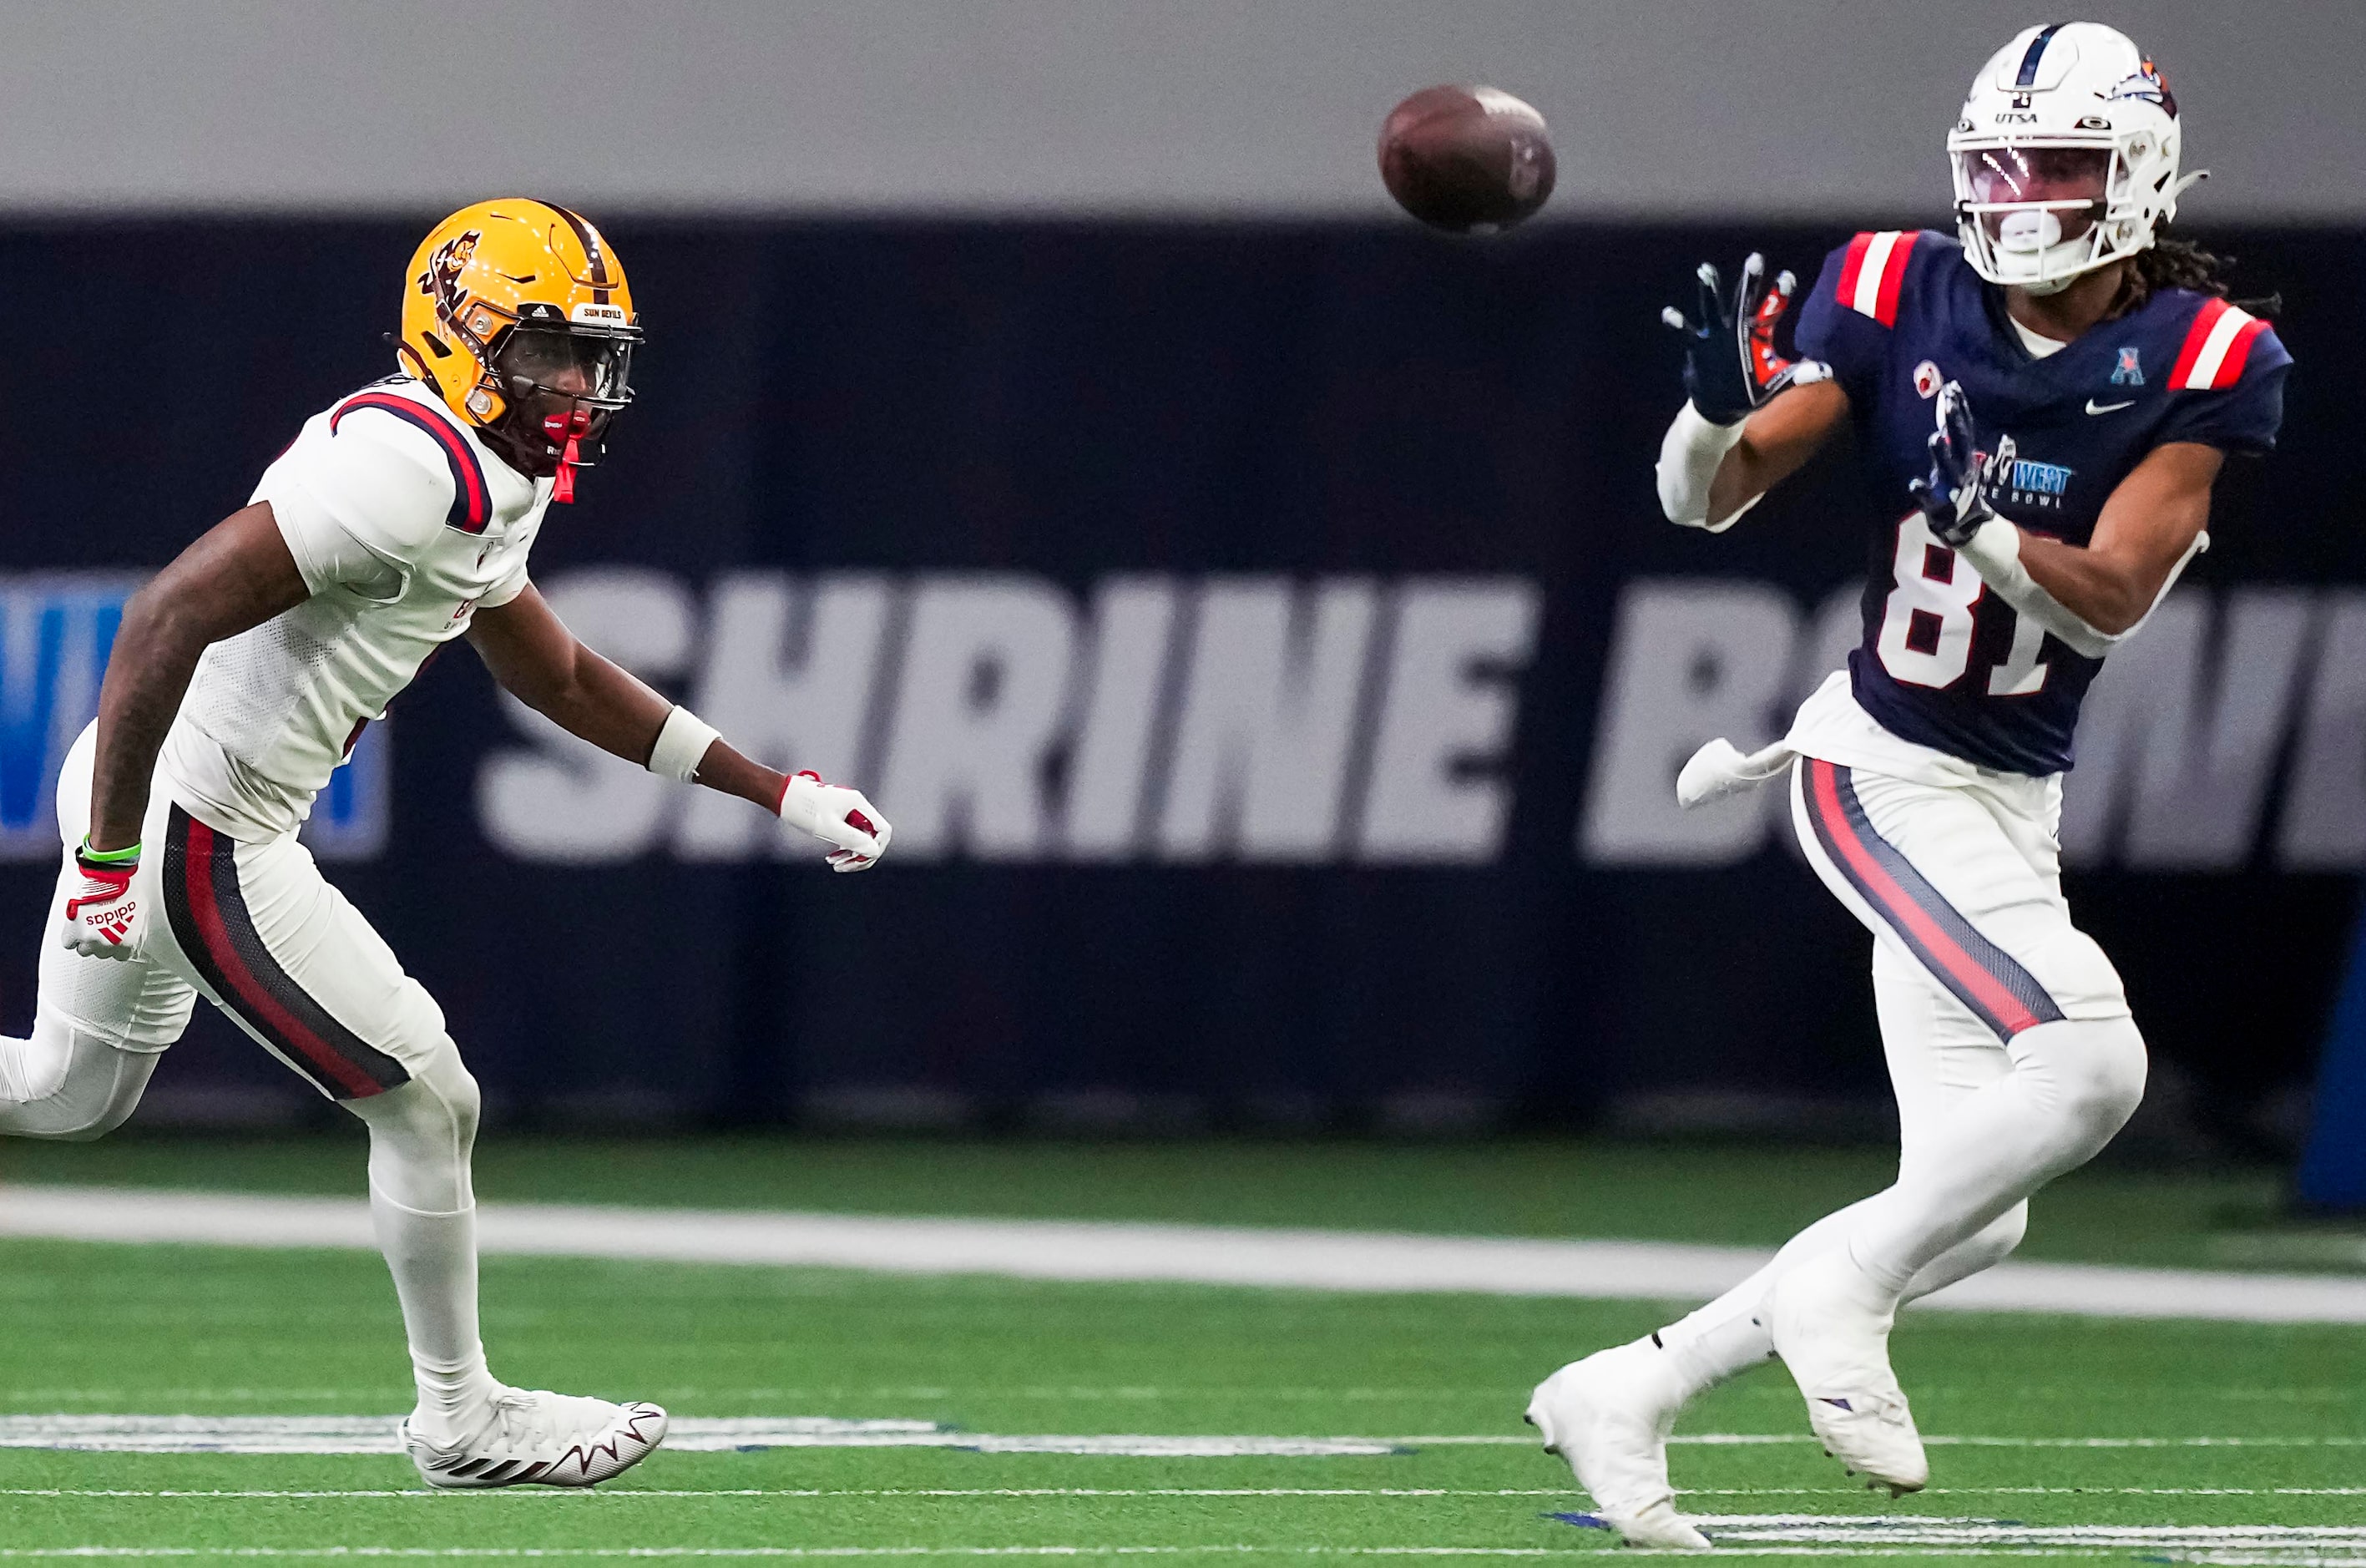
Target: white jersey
column 403, row 525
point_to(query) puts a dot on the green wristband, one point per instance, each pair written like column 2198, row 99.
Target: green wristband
column 109, row 857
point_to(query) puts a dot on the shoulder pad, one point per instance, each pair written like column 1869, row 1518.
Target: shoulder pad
column 2217, row 346
column 1873, row 271
column 472, row 505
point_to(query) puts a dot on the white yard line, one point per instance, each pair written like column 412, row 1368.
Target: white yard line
column 375, row 1435
column 809, row 1494
column 1415, row 1494
column 1821, row 1551
column 1816, row 1534
column 568, row 1552
column 1082, row 1250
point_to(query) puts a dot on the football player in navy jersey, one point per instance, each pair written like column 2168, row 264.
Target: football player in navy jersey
column 2045, row 399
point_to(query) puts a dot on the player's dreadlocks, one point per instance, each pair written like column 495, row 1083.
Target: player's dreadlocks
column 2182, row 264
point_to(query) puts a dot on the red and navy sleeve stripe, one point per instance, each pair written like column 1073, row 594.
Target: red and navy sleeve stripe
column 1982, row 976
column 209, row 917
column 1873, row 271
column 472, row 505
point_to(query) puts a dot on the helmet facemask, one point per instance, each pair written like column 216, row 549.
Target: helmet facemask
column 2040, row 215
column 557, row 386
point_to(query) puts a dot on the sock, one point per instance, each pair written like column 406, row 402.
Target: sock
column 424, row 1207
column 1729, row 1335
column 434, row 1261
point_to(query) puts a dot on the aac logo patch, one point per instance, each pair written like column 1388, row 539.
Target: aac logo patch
column 2131, row 368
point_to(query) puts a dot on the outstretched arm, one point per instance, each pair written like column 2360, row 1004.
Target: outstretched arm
column 236, row 576
column 1777, row 442
column 545, row 666
column 1750, row 418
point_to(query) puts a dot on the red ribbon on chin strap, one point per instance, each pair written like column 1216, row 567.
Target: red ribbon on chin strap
column 568, row 429
column 563, row 488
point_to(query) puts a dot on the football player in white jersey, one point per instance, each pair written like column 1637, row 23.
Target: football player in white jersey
column 399, row 519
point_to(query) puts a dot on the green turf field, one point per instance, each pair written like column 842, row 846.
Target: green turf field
column 2082, row 1428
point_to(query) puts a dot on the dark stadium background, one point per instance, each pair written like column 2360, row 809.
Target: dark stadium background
column 1079, row 386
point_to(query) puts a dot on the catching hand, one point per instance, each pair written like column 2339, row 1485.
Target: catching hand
column 1730, row 365
column 839, row 817
column 1955, row 496
column 102, row 917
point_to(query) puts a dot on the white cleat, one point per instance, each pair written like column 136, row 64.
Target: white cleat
column 1609, row 1416
column 531, row 1438
column 1831, row 1330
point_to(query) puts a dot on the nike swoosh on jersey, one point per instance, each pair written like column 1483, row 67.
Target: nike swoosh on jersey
column 2094, row 407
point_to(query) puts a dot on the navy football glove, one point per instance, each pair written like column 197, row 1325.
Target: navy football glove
column 1730, row 365
column 1955, row 496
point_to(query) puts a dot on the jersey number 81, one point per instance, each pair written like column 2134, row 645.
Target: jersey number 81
column 1927, row 624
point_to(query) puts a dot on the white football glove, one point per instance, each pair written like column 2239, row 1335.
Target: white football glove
column 838, row 816
column 103, row 919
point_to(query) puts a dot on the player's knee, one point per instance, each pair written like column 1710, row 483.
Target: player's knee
column 2096, row 1068
column 463, row 1102
column 422, row 1133
column 438, row 1107
column 1996, row 1240
column 86, row 1087
column 87, row 1123
column 435, row 1112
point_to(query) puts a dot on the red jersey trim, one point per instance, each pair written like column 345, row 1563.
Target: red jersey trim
column 472, row 505
column 1873, row 271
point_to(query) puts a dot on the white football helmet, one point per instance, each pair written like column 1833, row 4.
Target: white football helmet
column 2065, row 157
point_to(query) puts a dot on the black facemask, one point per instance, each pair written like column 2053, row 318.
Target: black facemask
column 562, row 387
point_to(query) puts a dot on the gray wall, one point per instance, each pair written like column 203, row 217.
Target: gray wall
column 1232, row 107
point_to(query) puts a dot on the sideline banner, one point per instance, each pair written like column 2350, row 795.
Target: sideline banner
column 1265, row 642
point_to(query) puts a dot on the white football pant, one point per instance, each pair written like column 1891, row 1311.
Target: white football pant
column 2006, row 1030
column 256, row 929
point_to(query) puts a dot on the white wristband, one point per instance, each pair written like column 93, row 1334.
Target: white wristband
column 1994, row 551
column 1689, row 455
column 682, row 745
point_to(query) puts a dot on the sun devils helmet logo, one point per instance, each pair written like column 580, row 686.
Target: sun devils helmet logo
column 441, row 281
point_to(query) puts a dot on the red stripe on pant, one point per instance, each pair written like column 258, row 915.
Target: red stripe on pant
column 251, row 997
column 1894, row 902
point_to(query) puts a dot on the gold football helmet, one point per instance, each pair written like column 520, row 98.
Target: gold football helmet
column 517, row 314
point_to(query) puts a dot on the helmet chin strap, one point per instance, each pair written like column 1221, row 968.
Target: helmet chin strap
column 567, row 428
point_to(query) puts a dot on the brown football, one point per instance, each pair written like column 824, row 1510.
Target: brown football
column 1467, row 160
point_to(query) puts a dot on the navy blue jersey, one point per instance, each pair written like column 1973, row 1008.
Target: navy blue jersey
column 1945, row 663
